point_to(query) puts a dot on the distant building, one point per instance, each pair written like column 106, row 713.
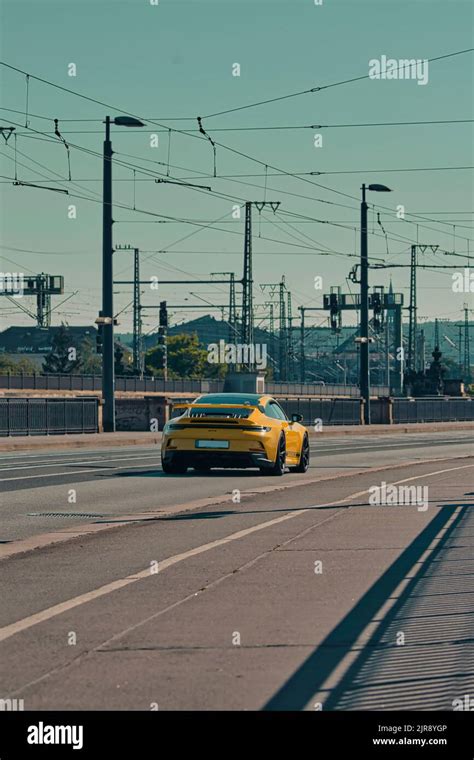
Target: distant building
column 38, row 340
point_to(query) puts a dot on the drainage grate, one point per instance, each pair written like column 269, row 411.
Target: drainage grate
column 63, row 514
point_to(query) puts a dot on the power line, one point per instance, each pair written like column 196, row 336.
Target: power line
column 323, row 87
column 266, row 164
column 260, row 128
column 233, row 150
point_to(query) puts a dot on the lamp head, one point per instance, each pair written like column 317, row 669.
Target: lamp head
column 379, row 188
column 127, row 121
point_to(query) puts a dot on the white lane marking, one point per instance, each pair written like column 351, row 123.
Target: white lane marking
column 90, row 461
column 40, row 617
column 78, row 472
column 77, row 453
column 392, row 444
column 343, row 445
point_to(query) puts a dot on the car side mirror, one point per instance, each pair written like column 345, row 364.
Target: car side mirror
column 296, row 417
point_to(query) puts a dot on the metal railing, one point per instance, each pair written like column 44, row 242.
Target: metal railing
column 322, row 389
column 48, row 416
column 334, row 411
column 407, row 410
column 150, row 384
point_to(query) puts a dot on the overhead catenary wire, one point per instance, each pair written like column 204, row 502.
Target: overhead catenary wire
column 283, row 172
column 145, row 171
column 323, row 87
column 290, row 175
column 233, row 150
column 261, row 127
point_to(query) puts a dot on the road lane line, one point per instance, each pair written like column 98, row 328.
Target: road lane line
column 57, row 609
column 78, row 472
column 152, row 456
column 66, row 464
column 81, row 453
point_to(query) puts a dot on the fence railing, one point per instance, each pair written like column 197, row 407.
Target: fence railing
column 322, row 389
column 71, row 382
column 48, row 416
column 150, row 384
column 325, row 411
column 405, row 410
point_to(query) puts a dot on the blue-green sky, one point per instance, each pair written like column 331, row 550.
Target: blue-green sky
column 175, row 60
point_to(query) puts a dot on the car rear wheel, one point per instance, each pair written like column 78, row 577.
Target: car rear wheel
column 171, row 468
column 280, row 460
column 303, row 464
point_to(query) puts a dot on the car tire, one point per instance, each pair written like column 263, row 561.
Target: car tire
column 303, row 464
column 173, row 469
column 279, row 465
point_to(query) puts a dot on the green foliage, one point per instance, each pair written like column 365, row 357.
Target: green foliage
column 8, row 364
column 122, row 360
column 187, row 358
column 91, row 361
column 64, row 357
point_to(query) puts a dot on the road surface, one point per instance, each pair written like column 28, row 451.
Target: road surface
column 303, row 595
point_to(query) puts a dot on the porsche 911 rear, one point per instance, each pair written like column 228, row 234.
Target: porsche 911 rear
column 218, row 435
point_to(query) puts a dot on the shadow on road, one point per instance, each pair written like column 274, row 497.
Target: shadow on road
column 421, row 653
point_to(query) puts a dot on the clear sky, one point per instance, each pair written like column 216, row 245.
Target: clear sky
column 174, row 61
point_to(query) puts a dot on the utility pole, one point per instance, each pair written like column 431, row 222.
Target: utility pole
column 364, row 340
column 291, row 357
column 412, row 313
column 422, row 351
column 302, row 347
column 364, row 380
column 460, row 347
column 412, row 359
column 232, row 305
column 137, row 350
column 138, row 358
column 467, row 351
column 108, row 373
column 436, row 334
column 107, row 317
column 43, row 302
column 163, row 331
column 270, row 305
column 232, row 309
column 282, row 327
column 387, row 351
column 283, row 331
column 247, row 279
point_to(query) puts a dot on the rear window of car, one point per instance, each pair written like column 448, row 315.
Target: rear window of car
column 251, row 399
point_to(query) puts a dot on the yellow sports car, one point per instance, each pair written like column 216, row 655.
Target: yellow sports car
column 234, row 430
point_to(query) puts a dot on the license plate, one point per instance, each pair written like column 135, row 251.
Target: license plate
column 212, row 444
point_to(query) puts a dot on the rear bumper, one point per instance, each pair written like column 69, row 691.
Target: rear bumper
column 232, row 459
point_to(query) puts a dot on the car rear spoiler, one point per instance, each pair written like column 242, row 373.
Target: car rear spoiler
column 218, row 406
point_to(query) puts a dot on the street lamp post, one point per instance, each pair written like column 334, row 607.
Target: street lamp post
column 107, row 315
column 364, row 363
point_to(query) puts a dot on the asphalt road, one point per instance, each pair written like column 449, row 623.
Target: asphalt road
column 112, row 483
column 301, row 596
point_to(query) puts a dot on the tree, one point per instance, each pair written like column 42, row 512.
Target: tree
column 122, row 359
column 91, row 360
column 17, row 366
column 118, row 359
column 64, row 357
column 186, row 357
